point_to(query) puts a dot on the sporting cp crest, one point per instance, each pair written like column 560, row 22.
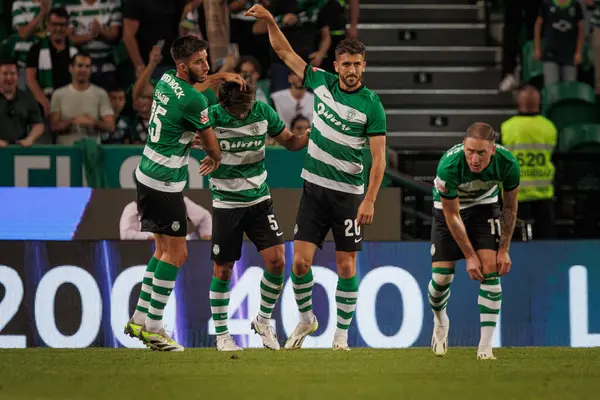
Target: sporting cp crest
column 254, row 129
column 175, row 226
column 216, row 249
column 351, row 114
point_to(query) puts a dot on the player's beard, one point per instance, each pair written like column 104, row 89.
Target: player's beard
column 195, row 78
column 347, row 83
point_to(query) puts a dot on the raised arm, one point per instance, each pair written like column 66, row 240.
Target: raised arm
column 278, row 41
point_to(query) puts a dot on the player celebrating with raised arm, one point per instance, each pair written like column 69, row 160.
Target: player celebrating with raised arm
column 346, row 114
column 242, row 203
column 178, row 112
column 469, row 224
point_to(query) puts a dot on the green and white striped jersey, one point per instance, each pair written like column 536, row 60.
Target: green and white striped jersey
column 81, row 15
column 178, row 112
column 455, row 179
column 342, row 122
column 241, row 179
column 23, row 12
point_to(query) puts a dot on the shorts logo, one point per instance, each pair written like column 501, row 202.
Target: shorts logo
column 216, row 249
column 295, row 229
column 175, row 226
column 432, row 249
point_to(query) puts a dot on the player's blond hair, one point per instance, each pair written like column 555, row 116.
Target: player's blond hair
column 482, row 131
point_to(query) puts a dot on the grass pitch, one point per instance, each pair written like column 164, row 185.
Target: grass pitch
column 519, row 373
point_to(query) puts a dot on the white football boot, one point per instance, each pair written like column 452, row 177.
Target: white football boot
column 302, row 330
column 266, row 333
column 439, row 339
column 226, row 343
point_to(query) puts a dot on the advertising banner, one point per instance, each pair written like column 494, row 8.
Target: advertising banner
column 80, row 294
column 96, row 214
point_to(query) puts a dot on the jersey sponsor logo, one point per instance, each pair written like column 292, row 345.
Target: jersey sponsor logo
column 174, row 85
column 440, row 185
column 204, row 116
column 331, row 117
column 227, row 145
column 476, row 186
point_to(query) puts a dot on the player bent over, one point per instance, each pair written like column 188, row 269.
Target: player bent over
column 347, row 115
column 469, row 224
column 242, row 203
column 178, row 110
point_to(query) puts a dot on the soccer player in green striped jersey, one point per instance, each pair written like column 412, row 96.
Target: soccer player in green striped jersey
column 242, row 204
column 179, row 113
column 347, row 116
column 468, row 223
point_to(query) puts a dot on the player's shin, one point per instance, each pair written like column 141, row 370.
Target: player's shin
column 303, row 286
column 143, row 304
column 270, row 289
column 163, row 284
column 345, row 298
column 490, row 300
column 439, row 293
column 219, row 304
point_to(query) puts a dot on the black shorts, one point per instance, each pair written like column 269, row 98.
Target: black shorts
column 161, row 212
column 322, row 209
column 483, row 228
column 229, row 224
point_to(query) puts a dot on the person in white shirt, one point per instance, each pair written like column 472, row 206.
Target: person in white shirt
column 130, row 226
column 293, row 101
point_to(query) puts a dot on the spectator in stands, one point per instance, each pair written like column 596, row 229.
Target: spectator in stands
column 562, row 24
column 241, row 32
column 48, row 60
column 148, row 23
column 293, row 101
column 249, row 68
column 80, row 109
column 299, row 23
column 29, row 21
column 21, row 120
column 299, row 125
column 518, row 14
column 95, row 29
column 122, row 132
column 200, row 218
column 596, row 43
column 142, row 96
column 217, row 30
column 189, row 19
column 333, row 15
column 532, row 138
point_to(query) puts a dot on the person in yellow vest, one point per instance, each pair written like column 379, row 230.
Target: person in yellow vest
column 532, row 139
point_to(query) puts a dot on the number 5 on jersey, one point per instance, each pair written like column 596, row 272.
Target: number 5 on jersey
column 155, row 124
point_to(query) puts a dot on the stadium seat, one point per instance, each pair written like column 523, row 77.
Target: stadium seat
column 532, row 70
column 569, row 103
column 582, row 138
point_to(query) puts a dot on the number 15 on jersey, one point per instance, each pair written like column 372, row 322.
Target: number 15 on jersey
column 155, row 124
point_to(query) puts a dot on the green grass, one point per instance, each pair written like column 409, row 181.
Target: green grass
column 518, row 373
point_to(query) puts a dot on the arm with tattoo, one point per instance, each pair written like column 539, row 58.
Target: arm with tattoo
column 509, row 218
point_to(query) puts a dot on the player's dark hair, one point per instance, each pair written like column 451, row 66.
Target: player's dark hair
column 297, row 119
column 184, row 46
column 350, row 46
column 482, row 131
column 60, row 12
column 8, row 61
column 231, row 97
column 79, row 54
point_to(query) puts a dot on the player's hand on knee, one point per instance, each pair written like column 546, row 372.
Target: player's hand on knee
column 366, row 210
column 474, row 268
column 208, row 165
column 503, row 262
